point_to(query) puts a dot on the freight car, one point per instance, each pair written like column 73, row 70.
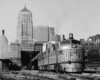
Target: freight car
column 63, row 56
column 92, row 62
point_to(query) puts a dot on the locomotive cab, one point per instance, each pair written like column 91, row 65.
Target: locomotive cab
column 69, row 43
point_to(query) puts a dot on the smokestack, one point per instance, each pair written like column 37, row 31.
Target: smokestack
column 2, row 32
column 71, row 36
column 64, row 37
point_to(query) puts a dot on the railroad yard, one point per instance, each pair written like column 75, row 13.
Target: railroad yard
column 37, row 75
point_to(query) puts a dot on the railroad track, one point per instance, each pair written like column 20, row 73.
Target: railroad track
column 56, row 76
column 76, row 76
column 86, row 76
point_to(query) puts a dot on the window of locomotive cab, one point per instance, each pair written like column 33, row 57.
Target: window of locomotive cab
column 65, row 42
column 75, row 42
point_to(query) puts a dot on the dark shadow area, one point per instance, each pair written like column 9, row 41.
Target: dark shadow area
column 25, row 59
column 35, row 64
column 93, row 57
column 35, row 53
column 13, row 66
column 7, row 64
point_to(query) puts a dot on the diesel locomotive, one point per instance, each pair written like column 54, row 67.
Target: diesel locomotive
column 62, row 56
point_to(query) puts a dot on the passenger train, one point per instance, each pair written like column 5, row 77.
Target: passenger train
column 62, row 56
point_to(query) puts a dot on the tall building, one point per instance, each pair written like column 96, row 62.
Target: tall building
column 3, row 48
column 26, row 34
column 24, row 25
column 43, row 33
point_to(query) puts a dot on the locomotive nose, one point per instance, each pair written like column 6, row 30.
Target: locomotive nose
column 71, row 36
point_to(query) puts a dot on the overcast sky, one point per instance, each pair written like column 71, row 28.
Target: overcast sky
column 80, row 17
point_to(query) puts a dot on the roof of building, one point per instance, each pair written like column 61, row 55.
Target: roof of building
column 14, row 43
column 40, row 42
column 25, row 10
column 28, row 45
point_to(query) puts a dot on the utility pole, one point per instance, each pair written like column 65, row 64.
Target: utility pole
column 56, row 46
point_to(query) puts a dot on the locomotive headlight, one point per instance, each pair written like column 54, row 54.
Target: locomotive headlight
column 74, row 46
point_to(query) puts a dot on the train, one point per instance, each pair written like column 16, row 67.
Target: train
column 92, row 55
column 92, row 61
column 66, row 55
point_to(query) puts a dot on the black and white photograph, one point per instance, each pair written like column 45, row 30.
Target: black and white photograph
column 49, row 39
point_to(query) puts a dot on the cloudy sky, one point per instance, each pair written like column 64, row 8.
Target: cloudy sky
column 80, row 17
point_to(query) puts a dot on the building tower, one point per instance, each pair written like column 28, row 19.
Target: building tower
column 24, row 25
column 3, row 46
